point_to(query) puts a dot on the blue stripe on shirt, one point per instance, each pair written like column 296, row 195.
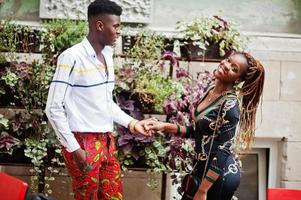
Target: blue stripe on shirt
column 85, row 86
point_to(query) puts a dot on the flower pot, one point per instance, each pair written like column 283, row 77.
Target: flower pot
column 25, row 40
column 168, row 44
column 191, row 52
column 212, row 52
column 17, row 157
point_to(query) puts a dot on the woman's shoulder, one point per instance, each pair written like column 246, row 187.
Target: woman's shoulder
column 231, row 101
column 231, row 96
column 231, row 106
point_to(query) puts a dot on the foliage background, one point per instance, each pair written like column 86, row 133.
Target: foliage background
column 144, row 84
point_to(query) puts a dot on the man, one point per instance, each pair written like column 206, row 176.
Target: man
column 81, row 110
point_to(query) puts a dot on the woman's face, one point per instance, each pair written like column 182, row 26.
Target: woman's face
column 231, row 69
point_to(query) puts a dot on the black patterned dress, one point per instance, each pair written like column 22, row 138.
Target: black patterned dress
column 222, row 169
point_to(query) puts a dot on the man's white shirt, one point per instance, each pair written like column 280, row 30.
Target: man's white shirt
column 80, row 95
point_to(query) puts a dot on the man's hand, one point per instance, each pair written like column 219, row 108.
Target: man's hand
column 143, row 126
column 79, row 157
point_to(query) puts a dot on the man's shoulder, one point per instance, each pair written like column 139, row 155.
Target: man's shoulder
column 73, row 50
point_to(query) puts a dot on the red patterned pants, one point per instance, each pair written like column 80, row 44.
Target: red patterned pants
column 100, row 179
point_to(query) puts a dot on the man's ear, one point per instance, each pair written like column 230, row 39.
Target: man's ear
column 99, row 25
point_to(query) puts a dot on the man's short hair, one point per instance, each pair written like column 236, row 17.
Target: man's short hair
column 99, row 7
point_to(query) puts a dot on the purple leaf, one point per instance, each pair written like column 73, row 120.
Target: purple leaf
column 180, row 73
column 7, row 143
column 172, row 57
column 127, row 148
column 125, row 104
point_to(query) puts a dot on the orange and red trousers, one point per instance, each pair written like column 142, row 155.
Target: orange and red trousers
column 100, row 179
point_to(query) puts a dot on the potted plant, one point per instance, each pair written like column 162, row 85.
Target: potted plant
column 66, row 32
column 142, row 73
column 26, row 136
column 210, row 37
column 18, row 38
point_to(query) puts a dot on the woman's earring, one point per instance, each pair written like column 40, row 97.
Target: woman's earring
column 237, row 85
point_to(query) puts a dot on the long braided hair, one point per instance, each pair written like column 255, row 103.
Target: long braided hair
column 251, row 96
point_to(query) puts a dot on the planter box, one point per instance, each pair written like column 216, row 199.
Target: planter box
column 129, row 41
column 191, row 52
column 134, row 183
column 25, row 40
column 61, row 186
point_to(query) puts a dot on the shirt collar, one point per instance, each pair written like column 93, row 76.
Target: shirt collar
column 107, row 50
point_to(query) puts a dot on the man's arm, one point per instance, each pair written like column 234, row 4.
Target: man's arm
column 120, row 117
column 59, row 90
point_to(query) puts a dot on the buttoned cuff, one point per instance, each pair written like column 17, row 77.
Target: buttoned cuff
column 72, row 144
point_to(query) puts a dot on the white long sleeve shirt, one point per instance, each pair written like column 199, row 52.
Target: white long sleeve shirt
column 80, row 95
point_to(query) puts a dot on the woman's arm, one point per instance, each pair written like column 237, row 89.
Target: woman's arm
column 178, row 130
column 201, row 194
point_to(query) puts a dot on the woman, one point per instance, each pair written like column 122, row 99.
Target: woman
column 216, row 166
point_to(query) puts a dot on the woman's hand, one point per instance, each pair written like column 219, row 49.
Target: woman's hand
column 157, row 126
column 200, row 195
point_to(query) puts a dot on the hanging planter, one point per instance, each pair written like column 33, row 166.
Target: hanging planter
column 210, row 38
column 191, row 52
column 129, row 41
column 27, row 40
column 19, row 38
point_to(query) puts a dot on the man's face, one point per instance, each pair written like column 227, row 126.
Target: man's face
column 111, row 29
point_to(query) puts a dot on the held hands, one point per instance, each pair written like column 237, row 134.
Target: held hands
column 146, row 127
column 156, row 125
column 141, row 127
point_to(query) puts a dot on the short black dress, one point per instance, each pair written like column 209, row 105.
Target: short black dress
column 222, row 168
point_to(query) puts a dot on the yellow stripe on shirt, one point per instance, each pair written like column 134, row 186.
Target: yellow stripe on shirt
column 64, row 66
column 84, row 70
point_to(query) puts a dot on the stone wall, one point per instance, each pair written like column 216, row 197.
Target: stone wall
column 282, row 104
